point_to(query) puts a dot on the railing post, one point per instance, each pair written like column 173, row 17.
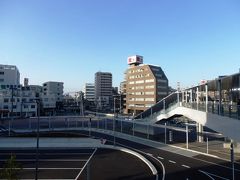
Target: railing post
column 165, row 130
column 197, row 97
column 206, row 89
column 187, row 135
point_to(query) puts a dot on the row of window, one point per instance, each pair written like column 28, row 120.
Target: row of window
column 137, row 70
column 140, row 105
column 6, row 100
column 141, row 99
column 15, row 107
column 141, row 81
column 139, row 76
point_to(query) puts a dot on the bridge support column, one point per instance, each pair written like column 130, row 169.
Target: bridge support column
column 199, row 132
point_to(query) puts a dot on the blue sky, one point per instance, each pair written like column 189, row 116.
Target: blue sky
column 70, row 40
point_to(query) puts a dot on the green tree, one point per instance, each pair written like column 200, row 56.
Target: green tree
column 11, row 169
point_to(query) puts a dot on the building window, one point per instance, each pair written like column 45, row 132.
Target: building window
column 149, row 93
column 25, row 106
column 139, row 82
column 149, row 80
column 131, row 82
column 5, row 107
column 150, row 87
column 6, row 100
column 139, row 99
column 149, row 99
column 140, row 87
column 32, row 106
column 14, row 107
column 1, row 73
column 139, row 93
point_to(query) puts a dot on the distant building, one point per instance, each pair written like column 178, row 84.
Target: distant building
column 103, row 91
column 89, row 92
column 145, row 85
column 123, row 95
column 9, row 75
column 17, row 102
column 52, row 96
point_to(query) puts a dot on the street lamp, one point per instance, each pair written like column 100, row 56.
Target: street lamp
column 114, row 121
column 37, row 148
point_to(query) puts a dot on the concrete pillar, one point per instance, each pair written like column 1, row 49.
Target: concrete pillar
column 199, row 132
column 191, row 95
column 178, row 98
column 206, row 89
column 186, row 96
column 183, row 96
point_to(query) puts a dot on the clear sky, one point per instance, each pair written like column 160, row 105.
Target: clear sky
column 70, row 40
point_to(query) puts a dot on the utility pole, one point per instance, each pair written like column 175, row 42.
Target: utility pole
column 37, row 149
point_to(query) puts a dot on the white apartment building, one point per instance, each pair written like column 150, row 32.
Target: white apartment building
column 89, row 92
column 52, row 94
column 18, row 102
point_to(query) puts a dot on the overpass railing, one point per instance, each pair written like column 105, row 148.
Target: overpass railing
column 224, row 109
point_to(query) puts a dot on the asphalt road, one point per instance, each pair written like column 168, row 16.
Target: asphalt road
column 176, row 166
column 181, row 167
column 72, row 164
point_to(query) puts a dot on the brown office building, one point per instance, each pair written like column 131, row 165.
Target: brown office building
column 145, row 85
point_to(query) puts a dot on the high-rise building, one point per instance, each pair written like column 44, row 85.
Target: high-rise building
column 145, row 85
column 9, row 75
column 103, row 90
column 89, row 92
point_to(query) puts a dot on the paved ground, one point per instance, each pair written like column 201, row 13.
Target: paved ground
column 70, row 164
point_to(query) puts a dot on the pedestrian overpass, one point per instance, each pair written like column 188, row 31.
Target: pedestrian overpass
column 214, row 104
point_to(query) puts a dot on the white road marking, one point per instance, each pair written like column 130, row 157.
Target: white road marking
column 49, row 160
column 48, row 168
column 160, row 157
column 137, row 150
column 173, row 162
column 149, row 154
column 210, row 174
column 206, row 174
column 186, row 166
column 42, row 153
column 86, row 164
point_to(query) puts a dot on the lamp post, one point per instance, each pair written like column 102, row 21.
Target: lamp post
column 114, row 109
column 37, row 148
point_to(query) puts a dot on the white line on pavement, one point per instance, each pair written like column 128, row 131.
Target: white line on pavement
column 160, row 157
column 210, row 174
column 86, row 164
column 149, row 154
column 206, row 174
column 48, row 168
column 172, row 162
column 186, row 166
column 49, row 160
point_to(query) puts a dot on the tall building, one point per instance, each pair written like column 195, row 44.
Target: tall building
column 103, row 90
column 145, row 85
column 9, row 75
column 89, row 92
